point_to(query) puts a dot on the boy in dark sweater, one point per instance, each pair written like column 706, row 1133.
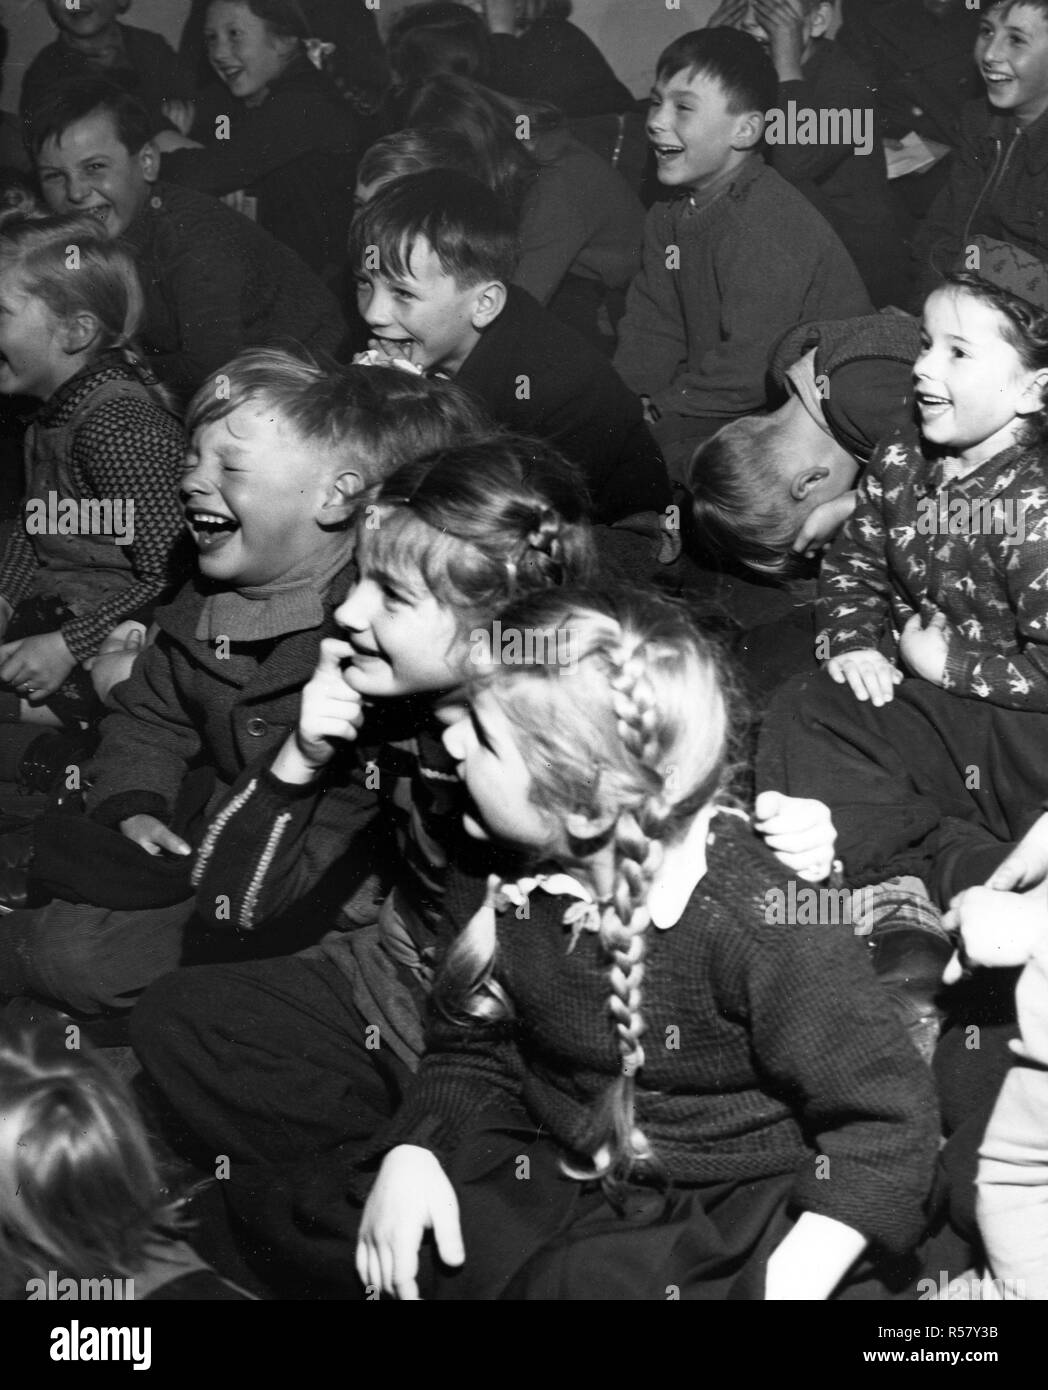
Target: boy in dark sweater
column 771, row 489
column 732, row 261
column 433, row 254
column 999, row 177
column 93, row 43
column 279, row 451
column 843, row 171
column 214, row 283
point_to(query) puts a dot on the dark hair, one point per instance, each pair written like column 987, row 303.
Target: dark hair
column 545, row 9
column 471, row 233
column 284, row 18
column 439, row 38
column 414, row 152
column 1025, row 327
column 484, row 119
column 74, row 100
column 380, row 416
column 734, row 60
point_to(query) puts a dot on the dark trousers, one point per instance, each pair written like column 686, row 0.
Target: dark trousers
column 930, row 784
column 271, row 1064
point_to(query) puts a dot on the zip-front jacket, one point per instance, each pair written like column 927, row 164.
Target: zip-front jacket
column 998, row 187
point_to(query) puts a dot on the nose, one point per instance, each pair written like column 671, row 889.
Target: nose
column 195, row 479
column 992, row 47
column 77, row 188
column 218, row 48
column 354, row 612
column 374, row 302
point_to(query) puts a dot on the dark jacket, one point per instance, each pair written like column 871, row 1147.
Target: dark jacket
column 187, row 705
column 848, row 183
column 215, row 283
column 998, row 187
column 921, row 66
column 149, row 71
column 296, row 153
column 553, row 60
column 538, row 376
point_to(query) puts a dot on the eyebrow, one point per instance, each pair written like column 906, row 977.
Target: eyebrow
column 381, row 576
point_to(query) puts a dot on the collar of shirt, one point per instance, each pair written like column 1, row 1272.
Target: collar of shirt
column 802, row 379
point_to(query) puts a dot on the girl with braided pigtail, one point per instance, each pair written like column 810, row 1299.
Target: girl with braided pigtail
column 741, row 1114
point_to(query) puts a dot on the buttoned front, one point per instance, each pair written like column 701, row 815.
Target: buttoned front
column 257, row 728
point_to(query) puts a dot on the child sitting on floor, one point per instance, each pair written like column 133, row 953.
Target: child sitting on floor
column 940, row 573
column 622, row 1013
column 82, row 1206
column 772, row 490
column 103, row 456
column 733, row 260
column 280, row 449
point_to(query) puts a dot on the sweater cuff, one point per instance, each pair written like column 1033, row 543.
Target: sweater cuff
column 118, row 808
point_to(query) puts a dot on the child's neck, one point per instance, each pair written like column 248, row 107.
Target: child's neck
column 64, row 370
column 103, row 46
column 959, row 464
column 704, row 190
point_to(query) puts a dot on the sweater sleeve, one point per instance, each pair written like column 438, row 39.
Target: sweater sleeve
column 853, row 604
column 1019, row 679
column 553, row 231
column 270, row 843
column 825, row 1036
column 939, row 239
column 812, row 164
column 653, row 339
column 148, row 742
column 18, row 567
column 133, row 451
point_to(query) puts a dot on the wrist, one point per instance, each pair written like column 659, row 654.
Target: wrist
column 294, row 765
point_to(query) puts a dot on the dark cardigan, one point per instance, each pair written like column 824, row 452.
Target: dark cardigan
column 784, row 1049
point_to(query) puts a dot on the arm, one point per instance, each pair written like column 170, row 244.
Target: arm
column 132, row 451
column 18, row 569
column 553, row 231
column 853, row 605
column 940, row 238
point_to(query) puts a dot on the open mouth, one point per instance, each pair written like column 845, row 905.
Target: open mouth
column 395, row 347
column 230, row 75
column 210, row 529
column 932, row 406
column 996, row 79
column 665, row 154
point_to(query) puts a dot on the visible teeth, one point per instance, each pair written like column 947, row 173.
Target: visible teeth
column 210, row 519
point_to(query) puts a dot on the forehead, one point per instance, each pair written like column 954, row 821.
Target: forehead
column 703, row 89
column 226, row 11
column 952, row 311
column 93, row 134
column 250, row 427
column 1029, row 20
column 423, row 271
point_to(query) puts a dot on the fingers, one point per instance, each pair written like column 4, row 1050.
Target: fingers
column 447, row 1230
column 954, row 969
column 168, row 840
column 870, row 676
column 1013, row 874
column 333, row 653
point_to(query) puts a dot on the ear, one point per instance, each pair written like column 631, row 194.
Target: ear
column 149, row 161
column 78, row 333
column 341, row 497
column 488, row 302
column 286, row 45
column 749, row 127
column 804, row 483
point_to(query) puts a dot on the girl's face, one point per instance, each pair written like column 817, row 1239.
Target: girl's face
column 971, row 388
column 1011, row 52
column 33, row 360
column 242, row 50
column 404, row 640
column 484, row 745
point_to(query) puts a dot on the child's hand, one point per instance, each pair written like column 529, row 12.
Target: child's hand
column 924, row 646
column 729, row 13
column 167, row 141
column 997, row 929
column 799, row 832
column 412, row 1194
column 331, row 709
column 153, row 835
column 501, row 16
column 1027, row 865
column 783, row 21
column 870, row 674
column 179, row 113
column 116, row 658
column 36, row 666
column 823, row 522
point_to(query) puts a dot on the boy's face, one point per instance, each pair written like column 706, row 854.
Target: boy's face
column 694, row 135
column 88, row 169
column 1012, row 54
column 404, row 640
column 423, row 316
column 816, row 22
column 85, row 19
column 241, row 49
column 253, row 494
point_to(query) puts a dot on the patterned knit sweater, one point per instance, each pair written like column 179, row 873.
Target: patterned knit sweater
column 768, row 1048
column 976, row 549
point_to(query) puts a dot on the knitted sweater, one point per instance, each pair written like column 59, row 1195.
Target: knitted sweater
column 865, row 366
column 752, row 262
column 996, row 188
column 767, row 1047
column 296, row 153
column 975, row 549
column 190, row 702
column 215, row 283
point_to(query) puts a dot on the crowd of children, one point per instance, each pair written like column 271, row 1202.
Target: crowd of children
column 532, row 654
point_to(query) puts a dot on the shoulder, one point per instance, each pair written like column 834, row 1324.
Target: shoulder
column 977, row 119
column 146, row 42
